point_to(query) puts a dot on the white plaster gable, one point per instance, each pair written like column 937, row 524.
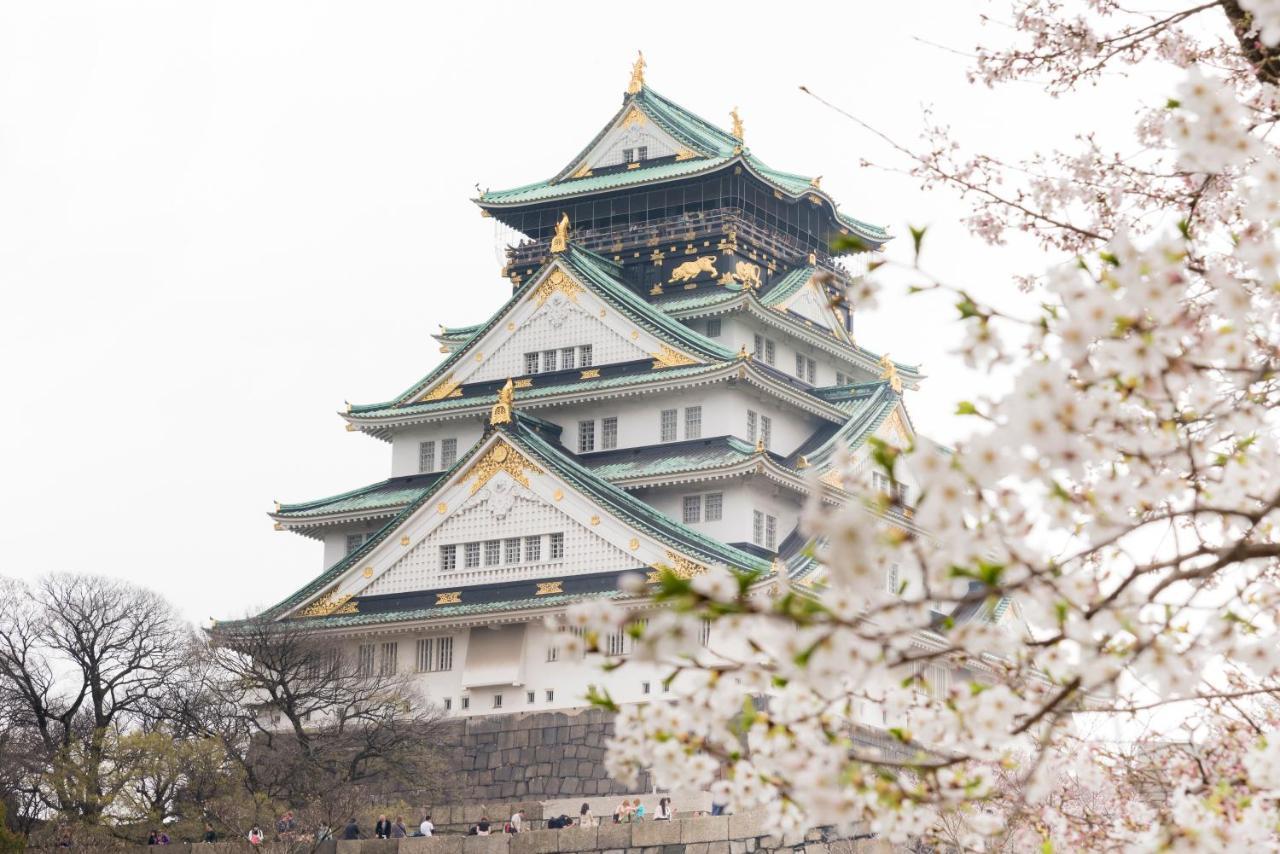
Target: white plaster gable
column 408, row 557
column 810, row 303
column 632, row 131
column 551, row 319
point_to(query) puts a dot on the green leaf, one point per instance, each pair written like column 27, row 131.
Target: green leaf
column 966, row 407
column 849, row 243
column 1172, row 104
column 1110, row 257
column 917, row 237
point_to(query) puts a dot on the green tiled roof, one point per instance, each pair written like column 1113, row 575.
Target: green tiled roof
column 392, row 493
column 697, row 455
column 603, row 276
column 868, row 404
column 713, row 148
column 610, row 498
column 701, row 298
column 788, row 285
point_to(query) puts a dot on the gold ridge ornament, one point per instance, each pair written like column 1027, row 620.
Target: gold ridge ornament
column 560, row 241
column 502, row 457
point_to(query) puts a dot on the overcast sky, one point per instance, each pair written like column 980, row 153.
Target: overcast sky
column 219, row 221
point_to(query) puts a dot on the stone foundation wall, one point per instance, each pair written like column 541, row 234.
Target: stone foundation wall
column 529, row 757
column 731, row 834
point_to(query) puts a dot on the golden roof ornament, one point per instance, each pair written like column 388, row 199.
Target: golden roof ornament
column 891, row 373
column 760, row 445
column 560, row 241
column 737, row 124
column 803, row 462
column 637, row 75
column 501, row 412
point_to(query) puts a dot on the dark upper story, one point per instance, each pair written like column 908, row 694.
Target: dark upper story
column 660, row 188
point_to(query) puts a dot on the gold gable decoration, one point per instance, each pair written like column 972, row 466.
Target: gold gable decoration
column 556, row 280
column 634, row 117
column 678, row 564
column 666, row 357
column 329, row 604
column 501, row 457
column 447, row 387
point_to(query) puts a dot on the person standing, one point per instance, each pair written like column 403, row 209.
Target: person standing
column 255, row 835
column 382, row 830
column 517, row 821
column 209, row 834
column 664, row 811
column 352, row 830
column 397, row 829
column 426, row 828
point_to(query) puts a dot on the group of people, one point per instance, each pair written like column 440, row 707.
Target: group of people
column 384, row 828
column 630, row 810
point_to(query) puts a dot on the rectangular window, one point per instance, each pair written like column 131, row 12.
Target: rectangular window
column 551, row 696
column 466, row 702
column 751, row 426
column 422, row 661
column 390, row 652
column 512, row 550
column 770, row 532
column 365, row 660
column 448, row 453
column 444, row 653
column 642, row 152
column 492, row 552
column 769, row 349
column 766, row 431
column 427, row 456
column 584, row 356
column 713, row 327
column 840, row 378
column 530, row 363
column 528, row 696
column 354, row 541
column 692, row 509
column 448, row 704
column 568, row 358
column 448, row 557
column 616, row 643
column 586, row 436
column 628, row 155
column 713, row 507
column 471, row 555
column 812, row 370
column 532, row 549
column 757, row 527
column 608, row 433
column 668, row 428
column 757, row 346
column 497, row 701
column 644, row 687
column 693, row 422
column 557, row 547
column 799, row 366
column 549, row 361
column 553, row 654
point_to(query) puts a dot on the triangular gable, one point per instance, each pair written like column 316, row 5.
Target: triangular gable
column 573, row 299
column 811, row 302
column 512, row 484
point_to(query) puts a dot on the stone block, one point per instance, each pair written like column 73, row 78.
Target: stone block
column 432, row 845
column 873, row 846
column 816, row 848
column 349, row 846
column 747, row 825
column 536, row 842
column 713, row 828
column 737, row 846
column 493, row 844
column 655, row 833
column 380, row 846
column 718, row 847
column 614, row 835
column 576, row 839
column 696, row 848
column 672, row 849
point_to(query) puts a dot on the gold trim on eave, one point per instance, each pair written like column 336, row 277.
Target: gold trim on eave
column 666, row 357
column 546, row 588
column 501, row 457
column 452, row 598
column 328, row 604
column 556, row 280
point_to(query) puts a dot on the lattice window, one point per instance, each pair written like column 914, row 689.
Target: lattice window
column 551, row 695
column 751, row 425
column 448, row 558
column 367, row 654
column 422, row 660
column 668, row 428
column 841, row 379
column 354, row 541
column 390, row 652
column 448, row 704
column 492, row 552
column 766, row 431
column 757, row 346
column 471, row 555
column 549, row 360
column 800, row 365
column 528, row 696
column 609, row 433
column 448, row 453
column 692, row 509
column 757, row 527
column 466, row 703
column 617, row 643
column 444, row 653
column 532, row 549
column 568, row 358
column 770, row 532
column 553, row 654
column 531, row 363
column 770, row 350
column 427, row 456
column 713, row 507
column 693, row 422
column 557, row 547
column 586, row 436
column 811, row 370
column 584, row 356
column 512, row 549
column 713, row 327
column 497, row 701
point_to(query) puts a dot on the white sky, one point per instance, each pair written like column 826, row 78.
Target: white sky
column 218, row 221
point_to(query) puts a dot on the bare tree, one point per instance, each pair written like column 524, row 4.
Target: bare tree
column 82, row 658
column 315, row 729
